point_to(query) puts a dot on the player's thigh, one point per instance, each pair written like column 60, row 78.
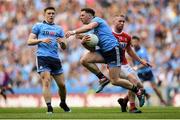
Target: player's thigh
column 45, row 75
column 127, row 72
column 114, row 73
column 45, row 79
column 59, row 78
column 92, row 57
column 146, row 76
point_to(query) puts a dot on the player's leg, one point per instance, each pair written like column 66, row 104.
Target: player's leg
column 112, row 58
column 57, row 73
column 155, row 87
column 46, row 86
column 45, row 76
column 88, row 60
column 158, row 92
column 133, row 108
column 135, row 80
column 128, row 73
column 131, row 98
column 2, row 92
column 123, row 103
column 62, row 91
column 117, row 81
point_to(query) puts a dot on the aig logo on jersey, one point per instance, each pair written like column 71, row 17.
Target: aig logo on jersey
column 122, row 45
column 51, row 33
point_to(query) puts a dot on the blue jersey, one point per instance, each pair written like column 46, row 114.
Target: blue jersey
column 107, row 41
column 142, row 53
column 44, row 30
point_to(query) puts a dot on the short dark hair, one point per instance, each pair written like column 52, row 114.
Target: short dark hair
column 136, row 38
column 89, row 10
column 121, row 15
column 49, row 8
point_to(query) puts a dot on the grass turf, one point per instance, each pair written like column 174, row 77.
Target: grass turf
column 90, row 113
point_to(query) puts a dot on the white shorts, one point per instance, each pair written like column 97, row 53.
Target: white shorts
column 126, row 70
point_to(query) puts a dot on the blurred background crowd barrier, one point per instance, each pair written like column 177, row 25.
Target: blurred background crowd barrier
column 157, row 22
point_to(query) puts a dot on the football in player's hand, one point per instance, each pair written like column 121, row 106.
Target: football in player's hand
column 93, row 40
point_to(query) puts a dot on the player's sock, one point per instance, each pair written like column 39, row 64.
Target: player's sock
column 100, row 75
column 140, row 94
column 135, row 89
column 63, row 100
column 4, row 95
column 132, row 105
column 49, row 107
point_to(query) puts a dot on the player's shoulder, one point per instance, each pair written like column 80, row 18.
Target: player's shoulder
column 143, row 49
column 38, row 24
column 127, row 35
column 97, row 19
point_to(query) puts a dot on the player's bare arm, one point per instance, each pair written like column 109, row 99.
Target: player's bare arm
column 32, row 40
column 62, row 42
column 131, row 53
column 79, row 36
column 82, row 29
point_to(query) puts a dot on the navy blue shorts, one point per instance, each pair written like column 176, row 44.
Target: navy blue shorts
column 53, row 65
column 112, row 57
column 146, row 76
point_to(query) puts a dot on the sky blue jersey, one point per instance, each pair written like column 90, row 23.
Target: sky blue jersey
column 142, row 53
column 44, row 30
column 107, row 41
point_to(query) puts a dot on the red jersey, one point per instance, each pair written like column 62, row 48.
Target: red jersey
column 124, row 40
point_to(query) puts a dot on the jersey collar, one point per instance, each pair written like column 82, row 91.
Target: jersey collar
column 48, row 23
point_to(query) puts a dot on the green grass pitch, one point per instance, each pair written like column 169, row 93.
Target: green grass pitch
column 90, row 113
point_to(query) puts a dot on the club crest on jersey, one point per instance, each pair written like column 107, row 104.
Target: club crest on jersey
column 122, row 45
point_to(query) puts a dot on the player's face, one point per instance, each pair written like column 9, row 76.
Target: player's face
column 49, row 16
column 135, row 43
column 119, row 23
column 85, row 17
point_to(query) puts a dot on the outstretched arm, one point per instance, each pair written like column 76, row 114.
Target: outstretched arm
column 82, row 29
column 131, row 53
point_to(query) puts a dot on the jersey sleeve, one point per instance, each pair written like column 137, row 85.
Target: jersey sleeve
column 61, row 33
column 35, row 29
column 129, row 41
column 96, row 19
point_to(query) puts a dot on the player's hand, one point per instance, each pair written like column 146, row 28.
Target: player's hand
column 47, row 40
column 62, row 43
column 79, row 36
column 135, row 68
column 85, row 39
column 69, row 33
column 145, row 63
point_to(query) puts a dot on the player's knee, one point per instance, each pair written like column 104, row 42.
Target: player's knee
column 153, row 85
column 62, row 85
column 113, row 81
column 46, row 83
column 83, row 61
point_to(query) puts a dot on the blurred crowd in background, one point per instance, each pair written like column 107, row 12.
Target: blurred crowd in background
column 156, row 22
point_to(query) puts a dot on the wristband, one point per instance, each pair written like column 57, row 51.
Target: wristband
column 74, row 32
